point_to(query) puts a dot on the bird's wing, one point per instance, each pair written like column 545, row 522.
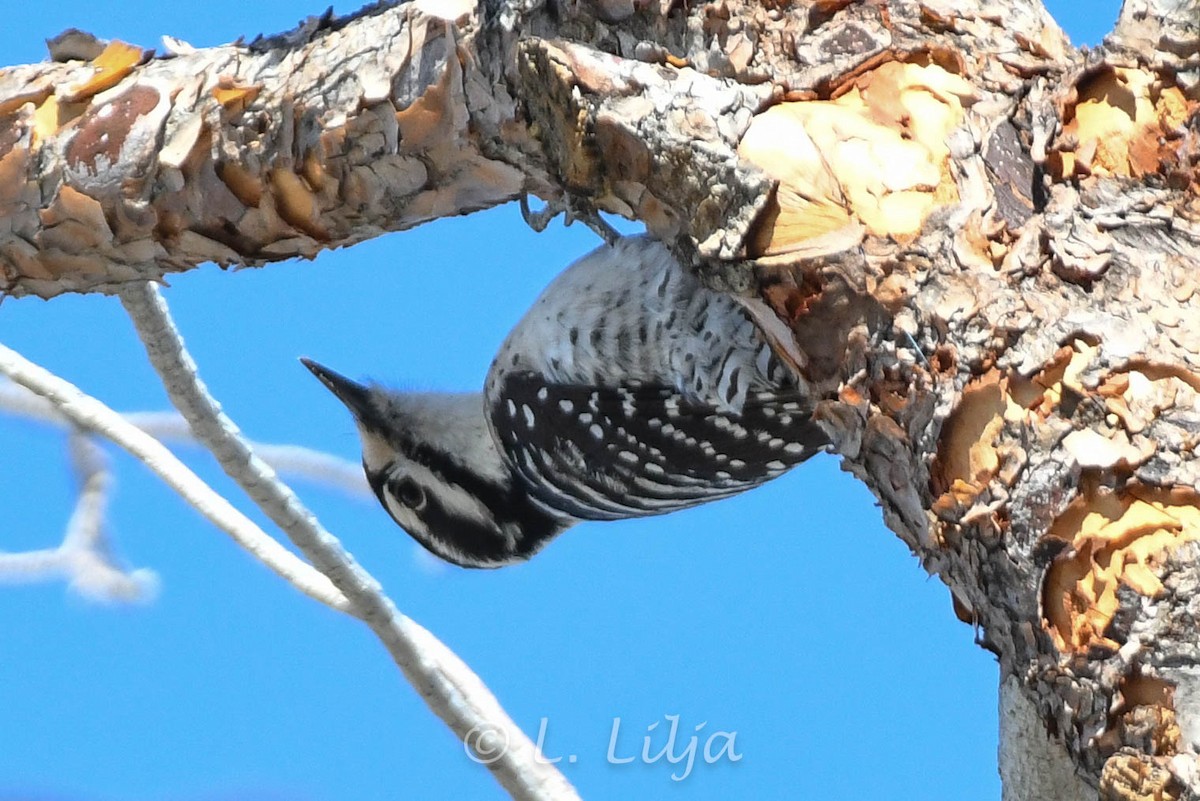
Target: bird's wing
column 628, row 451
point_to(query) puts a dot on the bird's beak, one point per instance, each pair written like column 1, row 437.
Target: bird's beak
column 353, row 394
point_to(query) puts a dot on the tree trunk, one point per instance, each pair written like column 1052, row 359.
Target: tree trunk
column 978, row 244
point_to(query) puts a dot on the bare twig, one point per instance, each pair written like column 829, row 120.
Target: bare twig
column 91, row 566
column 304, row 463
column 84, row 557
column 446, row 684
column 92, row 415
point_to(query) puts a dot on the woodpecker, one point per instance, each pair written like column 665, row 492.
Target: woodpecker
column 629, row 389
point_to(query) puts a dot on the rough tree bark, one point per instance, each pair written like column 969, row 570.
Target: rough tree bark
column 978, row 244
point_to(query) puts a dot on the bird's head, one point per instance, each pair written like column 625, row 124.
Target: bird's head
column 435, row 467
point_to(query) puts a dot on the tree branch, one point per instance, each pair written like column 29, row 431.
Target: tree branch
column 84, row 558
column 328, row 135
column 92, row 569
column 316, row 467
column 92, row 415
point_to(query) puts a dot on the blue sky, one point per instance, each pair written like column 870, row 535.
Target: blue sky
column 788, row 617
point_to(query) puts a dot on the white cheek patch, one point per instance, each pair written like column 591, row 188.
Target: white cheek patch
column 375, row 449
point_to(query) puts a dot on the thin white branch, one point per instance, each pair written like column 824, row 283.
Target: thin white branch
column 92, row 415
column 305, row 463
column 30, row 567
column 86, row 528
column 84, row 557
column 446, row 684
column 313, row 466
column 91, row 567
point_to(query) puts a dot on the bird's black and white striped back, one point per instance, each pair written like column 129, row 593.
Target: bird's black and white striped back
column 631, row 389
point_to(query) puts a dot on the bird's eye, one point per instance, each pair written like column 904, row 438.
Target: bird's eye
column 409, row 492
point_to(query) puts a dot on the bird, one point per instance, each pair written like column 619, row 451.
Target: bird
column 628, row 389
